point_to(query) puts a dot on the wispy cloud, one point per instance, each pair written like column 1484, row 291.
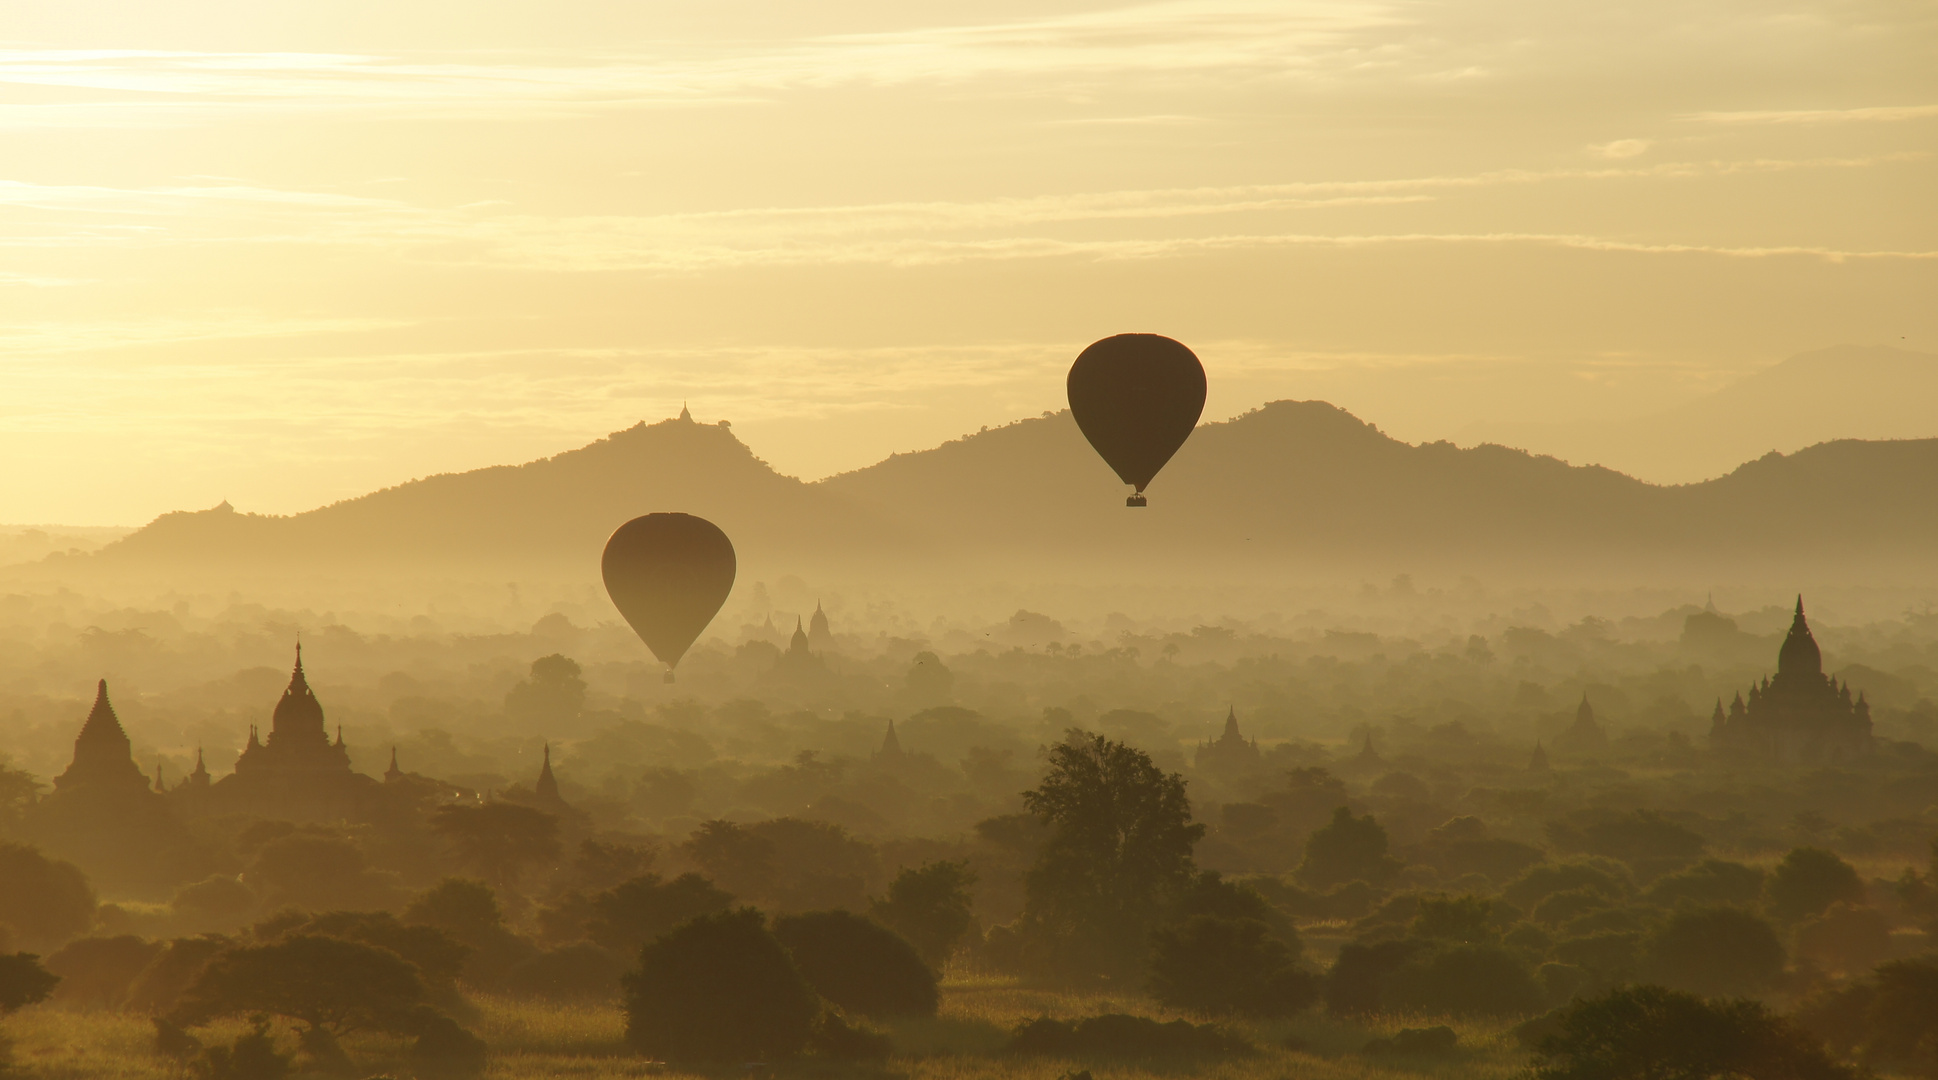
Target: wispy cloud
column 1876, row 114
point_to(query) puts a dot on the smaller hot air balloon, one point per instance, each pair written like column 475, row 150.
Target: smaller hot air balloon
column 668, row 574
column 1136, row 397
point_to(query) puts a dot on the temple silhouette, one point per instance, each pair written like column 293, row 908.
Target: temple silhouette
column 1230, row 752
column 298, row 773
column 1800, row 715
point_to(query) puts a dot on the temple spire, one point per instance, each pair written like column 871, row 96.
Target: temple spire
column 547, row 787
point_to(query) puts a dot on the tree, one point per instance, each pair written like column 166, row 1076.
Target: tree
column 498, row 840
column 554, row 692
column 1119, row 850
column 858, row 963
column 1460, row 919
column 1808, row 881
column 326, row 983
column 46, row 901
column 931, row 907
column 1463, row 980
column 638, row 911
column 23, row 981
column 1347, row 849
column 1900, row 1027
column 97, row 971
column 1712, row 881
column 718, row 988
column 1714, row 951
column 320, row 873
column 1846, row 938
column 1653, row 1033
column 1217, row 964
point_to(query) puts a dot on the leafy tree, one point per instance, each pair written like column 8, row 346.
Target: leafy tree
column 638, row 911
column 436, row 955
column 1217, row 964
column 1459, row 919
column 718, row 988
column 1540, row 882
column 1463, row 980
column 46, row 901
column 320, row 872
column 1347, row 849
column 1650, row 1032
column 553, row 692
column 460, row 907
column 1808, row 881
column 326, row 983
column 1846, row 938
column 1210, row 894
column 23, row 981
column 1714, row 951
column 1119, row 850
column 931, row 907
column 1637, row 836
column 1712, row 881
column 1356, row 983
column 498, row 840
column 858, row 963
column 253, row 1056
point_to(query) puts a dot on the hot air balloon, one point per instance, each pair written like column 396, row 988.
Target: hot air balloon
column 1136, row 397
column 668, row 574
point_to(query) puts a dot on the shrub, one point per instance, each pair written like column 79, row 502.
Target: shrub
column 326, row 983
column 858, row 963
column 719, row 988
column 445, row 1051
column 1714, row 951
column 839, row 1040
column 1464, row 980
column 23, row 981
column 1600, row 875
column 1808, row 881
column 253, row 1056
column 1650, row 1031
column 1356, row 982
column 1118, row 1035
column 930, row 907
column 160, row 985
column 1225, row 965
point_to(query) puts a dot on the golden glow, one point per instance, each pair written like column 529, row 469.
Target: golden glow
column 284, row 254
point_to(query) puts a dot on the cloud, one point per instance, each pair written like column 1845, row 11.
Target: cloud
column 1877, row 114
column 1621, row 148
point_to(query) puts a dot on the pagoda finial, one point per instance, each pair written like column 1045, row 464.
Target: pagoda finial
column 159, row 786
column 684, row 414
column 1800, row 603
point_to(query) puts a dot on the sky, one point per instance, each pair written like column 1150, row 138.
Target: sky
column 284, row 253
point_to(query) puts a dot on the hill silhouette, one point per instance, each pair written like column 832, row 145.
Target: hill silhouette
column 1849, row 391
column 1290, row 489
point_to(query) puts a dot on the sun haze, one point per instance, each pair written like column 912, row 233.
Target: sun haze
column 284, row 254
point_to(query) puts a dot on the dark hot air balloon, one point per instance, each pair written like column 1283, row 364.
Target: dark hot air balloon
column 1136, row 397
column 668, row 574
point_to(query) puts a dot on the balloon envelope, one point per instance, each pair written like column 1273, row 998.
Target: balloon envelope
column 668, row 574
column 1136, row 397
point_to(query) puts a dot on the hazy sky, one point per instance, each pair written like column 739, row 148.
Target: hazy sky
column 284, row 253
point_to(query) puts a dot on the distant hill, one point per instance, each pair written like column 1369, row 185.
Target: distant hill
column 1847, row 392
column 1294, row 489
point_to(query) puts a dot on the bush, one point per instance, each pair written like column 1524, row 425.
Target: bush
column 836, row 1039
column 326, row 983
column 1118, row 1035
column 23, row 981
column 1356, row 983
column 1808, row 881
column 160, row 985
column 931, row 908
column 1714, row 951
column 1464, row 980
column 445, row 1051
column 719, row 988
column 858, row 964
column 1347, row 849
column 1225, row 965
column 253, row 1056
column 1650, row 1031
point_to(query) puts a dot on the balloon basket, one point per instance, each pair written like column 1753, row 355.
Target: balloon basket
column 668, row 678
column 1135, row 500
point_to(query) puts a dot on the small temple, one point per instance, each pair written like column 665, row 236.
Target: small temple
column 1585, row 735
column 1800, row 715
column 1231, row 751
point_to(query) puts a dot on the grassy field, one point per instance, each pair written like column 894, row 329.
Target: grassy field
column 962, row 1042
